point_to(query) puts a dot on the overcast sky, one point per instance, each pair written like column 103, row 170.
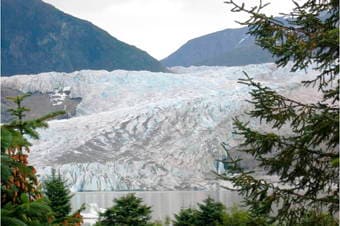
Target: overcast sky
column 159, row 26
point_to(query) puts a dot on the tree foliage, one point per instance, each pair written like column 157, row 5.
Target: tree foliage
column 59, row 196
column 209, row 212
column 17, row 177
column 238, row 217
column 214, row 213
column 306, row 160
column 186, row 217
column 128, row 210
column 27, row 212
column 22, row 202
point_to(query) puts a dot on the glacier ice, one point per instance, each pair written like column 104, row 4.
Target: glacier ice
column 139, row 130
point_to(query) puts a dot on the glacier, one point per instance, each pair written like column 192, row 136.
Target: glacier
column 140, row 130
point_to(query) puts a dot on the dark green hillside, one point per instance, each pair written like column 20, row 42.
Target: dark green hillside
column 37, row 37
column 229, row 47
column 250, row 54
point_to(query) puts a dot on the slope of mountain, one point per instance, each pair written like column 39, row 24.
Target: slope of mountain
column 147, row 131
column 230, row 47
column 39, row 103
column 36, row 37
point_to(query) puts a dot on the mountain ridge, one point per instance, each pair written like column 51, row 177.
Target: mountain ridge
column 228, row 47
column 37, row 37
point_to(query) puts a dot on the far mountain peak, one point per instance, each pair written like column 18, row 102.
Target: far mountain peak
column 229, row 47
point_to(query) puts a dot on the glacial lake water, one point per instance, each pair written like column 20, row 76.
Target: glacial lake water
column 163, row 203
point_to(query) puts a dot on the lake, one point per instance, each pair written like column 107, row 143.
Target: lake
column 163, row 203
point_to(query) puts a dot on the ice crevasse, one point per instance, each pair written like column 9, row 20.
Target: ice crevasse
column 140, row 130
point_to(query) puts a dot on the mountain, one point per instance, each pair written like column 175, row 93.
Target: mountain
column 230, row 47
column 36, row 37
column 145, row 130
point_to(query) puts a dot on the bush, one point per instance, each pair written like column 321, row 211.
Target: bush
column 313, row 218
column 238, row 217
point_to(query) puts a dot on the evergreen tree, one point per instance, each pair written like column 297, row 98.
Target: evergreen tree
column 186, row 217
column 210, row 212
column 213, row 213
column 128, row 210
column 307, row 160
column 59, row 195
column 22, row 202
column 238, row 217
column 21, row 199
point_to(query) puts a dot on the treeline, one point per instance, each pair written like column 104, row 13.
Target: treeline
column 129, row 210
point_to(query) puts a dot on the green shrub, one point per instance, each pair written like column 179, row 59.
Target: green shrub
column 238, row 217
column 313, row 218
